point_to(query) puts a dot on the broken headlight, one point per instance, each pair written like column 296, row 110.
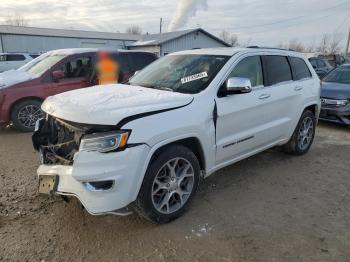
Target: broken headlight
column 104, row 142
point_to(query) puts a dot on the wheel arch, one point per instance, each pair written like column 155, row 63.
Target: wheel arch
column 24, row 99
column 313, row 108
column 192, row 143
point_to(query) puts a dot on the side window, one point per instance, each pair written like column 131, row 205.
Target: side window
column 249, row 67
column 300, row 69
column 77, row 67
column 277, row 69
column 140, row 60
column 2, row 58
column 15, row 58
column 313, row 63
column 122, row 60
column 321, row 63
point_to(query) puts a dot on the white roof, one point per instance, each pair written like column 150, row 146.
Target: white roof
column 23, row 30
column 230, row 51
column 158, row 39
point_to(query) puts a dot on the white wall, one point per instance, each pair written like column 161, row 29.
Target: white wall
column 34, row 44
column 190, row 41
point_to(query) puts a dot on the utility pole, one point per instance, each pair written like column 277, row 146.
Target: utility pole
column 160, row 25
column 347, row 44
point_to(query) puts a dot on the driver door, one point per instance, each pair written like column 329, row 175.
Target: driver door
column 77, row 72
column 241, row 123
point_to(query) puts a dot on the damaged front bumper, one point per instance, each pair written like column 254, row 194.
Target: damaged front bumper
column 91, row 167
column 103, row 182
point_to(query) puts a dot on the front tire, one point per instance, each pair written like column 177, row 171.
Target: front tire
column 170, row 184
column 303, row 135
column 25, row 114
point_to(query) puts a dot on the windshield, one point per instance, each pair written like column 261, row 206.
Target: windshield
column 339, row 75
column 180, row 73
column 42, row 63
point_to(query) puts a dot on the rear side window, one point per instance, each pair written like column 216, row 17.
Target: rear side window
column 300, row 69
column 140, row 60
column 15, row 58
column 277, row 69
column 122, row 60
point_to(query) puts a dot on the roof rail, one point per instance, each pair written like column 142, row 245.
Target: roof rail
column 275, row 48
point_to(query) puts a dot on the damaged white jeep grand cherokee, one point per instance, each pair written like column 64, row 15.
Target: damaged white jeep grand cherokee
column 145, row 145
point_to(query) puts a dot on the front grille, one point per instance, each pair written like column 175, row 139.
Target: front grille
column 56, row 142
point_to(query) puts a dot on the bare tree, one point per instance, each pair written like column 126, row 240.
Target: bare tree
column 296, row 45
column 16, row 20
column 334, row 44
column 229, row 38
column 323, row 46
column 134, row 30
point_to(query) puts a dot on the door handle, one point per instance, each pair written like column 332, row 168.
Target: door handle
column 298, row 88
column 264, row 96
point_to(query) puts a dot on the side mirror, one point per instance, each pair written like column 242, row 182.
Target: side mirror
column 57, row 75
column 314, row 67
column 237, row 85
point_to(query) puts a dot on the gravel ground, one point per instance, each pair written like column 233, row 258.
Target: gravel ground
column 270, row 207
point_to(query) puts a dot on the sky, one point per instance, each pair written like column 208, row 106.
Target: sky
column 255, row 22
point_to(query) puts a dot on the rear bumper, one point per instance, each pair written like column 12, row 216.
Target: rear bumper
column 339, row 115
column 124, row 168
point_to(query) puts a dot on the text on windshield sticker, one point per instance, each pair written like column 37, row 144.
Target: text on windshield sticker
column 193, row 77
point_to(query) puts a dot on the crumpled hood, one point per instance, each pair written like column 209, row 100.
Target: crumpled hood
column 12, row 77
column 109, row 104
column 335, row 90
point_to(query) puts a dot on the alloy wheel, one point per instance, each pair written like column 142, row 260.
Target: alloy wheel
column 305, row 133
column 28, row 115
column 172, row 185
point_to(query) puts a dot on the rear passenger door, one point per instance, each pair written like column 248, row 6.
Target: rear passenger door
column 283, row 97
column 303, row 84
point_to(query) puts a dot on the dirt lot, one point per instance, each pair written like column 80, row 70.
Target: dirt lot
column 271, row 207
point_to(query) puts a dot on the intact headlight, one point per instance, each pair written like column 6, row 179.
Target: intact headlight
column 104, row 142
column 342, row 102
column 335, row 102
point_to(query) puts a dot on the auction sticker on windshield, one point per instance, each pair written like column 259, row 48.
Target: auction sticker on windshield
column 194, row 77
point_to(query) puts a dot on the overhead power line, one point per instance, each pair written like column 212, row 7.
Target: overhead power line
column 293, row 18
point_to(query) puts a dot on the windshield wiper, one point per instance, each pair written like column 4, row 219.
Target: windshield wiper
column 165, row 88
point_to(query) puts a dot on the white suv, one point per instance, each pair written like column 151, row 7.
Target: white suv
column 10, row 61
column 145, row 145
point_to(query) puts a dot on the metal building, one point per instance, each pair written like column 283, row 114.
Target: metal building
column 165, row 43
column 37, row 40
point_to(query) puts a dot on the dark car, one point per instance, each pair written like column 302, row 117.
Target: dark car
column 321, row 66
column 22, row 91
column 335, row 96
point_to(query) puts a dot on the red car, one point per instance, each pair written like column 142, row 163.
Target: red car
column 22, row 91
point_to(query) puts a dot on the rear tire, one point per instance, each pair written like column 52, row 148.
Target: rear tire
column 169, row 185
column 303, row 135
column 25, row 114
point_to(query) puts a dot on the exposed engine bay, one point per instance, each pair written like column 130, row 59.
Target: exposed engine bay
column 58, row 140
